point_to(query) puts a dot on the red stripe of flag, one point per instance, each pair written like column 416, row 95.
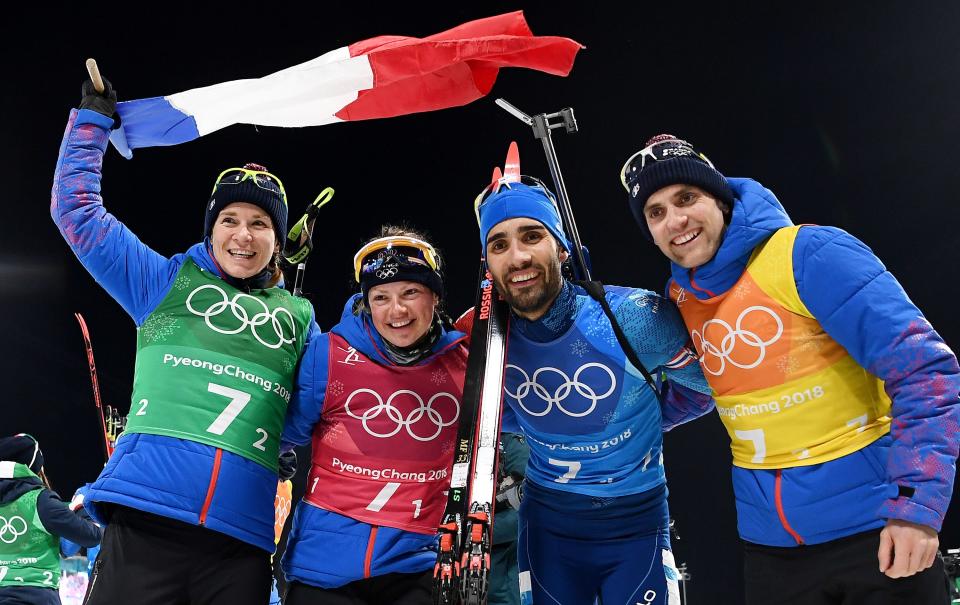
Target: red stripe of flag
column 453, row 67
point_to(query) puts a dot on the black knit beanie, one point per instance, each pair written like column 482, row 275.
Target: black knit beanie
column 24, row 449
column 673, row 161
column 231, row 189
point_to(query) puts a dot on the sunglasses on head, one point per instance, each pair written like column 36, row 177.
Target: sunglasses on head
column 261, row 178
column 657, row 152
column 405, row 251
column 503, row 183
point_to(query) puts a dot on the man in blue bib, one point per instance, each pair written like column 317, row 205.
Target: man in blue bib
column 593, row 520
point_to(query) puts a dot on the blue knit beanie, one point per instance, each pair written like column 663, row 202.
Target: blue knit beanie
column 517, row 200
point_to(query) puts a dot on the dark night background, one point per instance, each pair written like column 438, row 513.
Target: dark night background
column 847, row 113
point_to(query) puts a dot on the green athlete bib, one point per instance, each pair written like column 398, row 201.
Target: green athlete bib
column 29, row 554
column 215, row 365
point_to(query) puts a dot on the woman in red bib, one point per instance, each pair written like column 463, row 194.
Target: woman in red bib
column 381, row 404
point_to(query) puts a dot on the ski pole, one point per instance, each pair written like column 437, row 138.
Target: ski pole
column 299, row 242
column 541, row 130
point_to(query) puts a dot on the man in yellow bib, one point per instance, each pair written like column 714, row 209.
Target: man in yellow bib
column 840, row 399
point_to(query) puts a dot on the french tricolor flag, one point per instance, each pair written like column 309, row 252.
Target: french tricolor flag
column 376, row 78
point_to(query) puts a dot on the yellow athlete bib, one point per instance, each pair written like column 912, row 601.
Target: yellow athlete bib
column 788, row 394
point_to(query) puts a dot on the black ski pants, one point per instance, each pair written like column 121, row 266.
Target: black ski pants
column 148, row 559
column 393, row 588
column 840, row 572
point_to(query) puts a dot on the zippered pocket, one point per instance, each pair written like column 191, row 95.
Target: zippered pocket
column 98, row 564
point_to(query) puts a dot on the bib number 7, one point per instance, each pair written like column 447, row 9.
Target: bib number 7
column 238, row 401
column 572, row 466
column 759, row 441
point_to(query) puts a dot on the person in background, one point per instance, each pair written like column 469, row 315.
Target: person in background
column 33, row 523
column 504, row 573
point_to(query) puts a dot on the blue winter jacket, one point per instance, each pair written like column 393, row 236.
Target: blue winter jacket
column 907, row 474
column 172, row 477
column 325, row 548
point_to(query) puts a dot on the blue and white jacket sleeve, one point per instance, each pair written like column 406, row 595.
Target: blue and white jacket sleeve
column 130, row 271
column 656, row 331
column 863, row 307
column 306, row 404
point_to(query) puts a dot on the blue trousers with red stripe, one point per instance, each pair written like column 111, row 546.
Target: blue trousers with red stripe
column 580, row 550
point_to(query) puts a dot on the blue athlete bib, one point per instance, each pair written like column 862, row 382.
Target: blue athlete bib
column 592, row 422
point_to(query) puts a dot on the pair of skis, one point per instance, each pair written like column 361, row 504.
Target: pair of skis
column 462, row 572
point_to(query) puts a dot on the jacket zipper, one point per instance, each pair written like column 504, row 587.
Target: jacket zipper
column 368, row 558
column 214, row 475
column 783, row 517
column 93, row 582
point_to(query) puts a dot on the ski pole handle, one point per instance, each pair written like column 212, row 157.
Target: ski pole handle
column 94, row 72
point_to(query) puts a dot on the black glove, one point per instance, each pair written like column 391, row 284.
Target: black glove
column 287, row 465
column 101, row 102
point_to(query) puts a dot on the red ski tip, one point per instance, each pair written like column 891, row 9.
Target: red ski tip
column 497, row 175
column 511, row 167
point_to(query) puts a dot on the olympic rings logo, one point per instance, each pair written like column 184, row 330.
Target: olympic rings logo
column 281, row 508
column 561, row 392
column 734, row 336
column 10, row 529
column 395, row 415
column 387, row 272
column 280, row 328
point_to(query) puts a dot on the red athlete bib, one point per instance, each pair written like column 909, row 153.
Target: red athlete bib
column 383, row 449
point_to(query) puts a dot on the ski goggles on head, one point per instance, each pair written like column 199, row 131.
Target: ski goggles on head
column 502, row 183
column 657, row 152
column 261, row 178
column 406, row 251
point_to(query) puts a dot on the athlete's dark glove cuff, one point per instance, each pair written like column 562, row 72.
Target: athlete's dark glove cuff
column 287, row 465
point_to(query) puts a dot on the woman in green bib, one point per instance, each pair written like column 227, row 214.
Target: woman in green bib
column 33, row 519
column 188, row 494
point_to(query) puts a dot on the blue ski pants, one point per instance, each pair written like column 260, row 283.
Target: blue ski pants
column 575, row 549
